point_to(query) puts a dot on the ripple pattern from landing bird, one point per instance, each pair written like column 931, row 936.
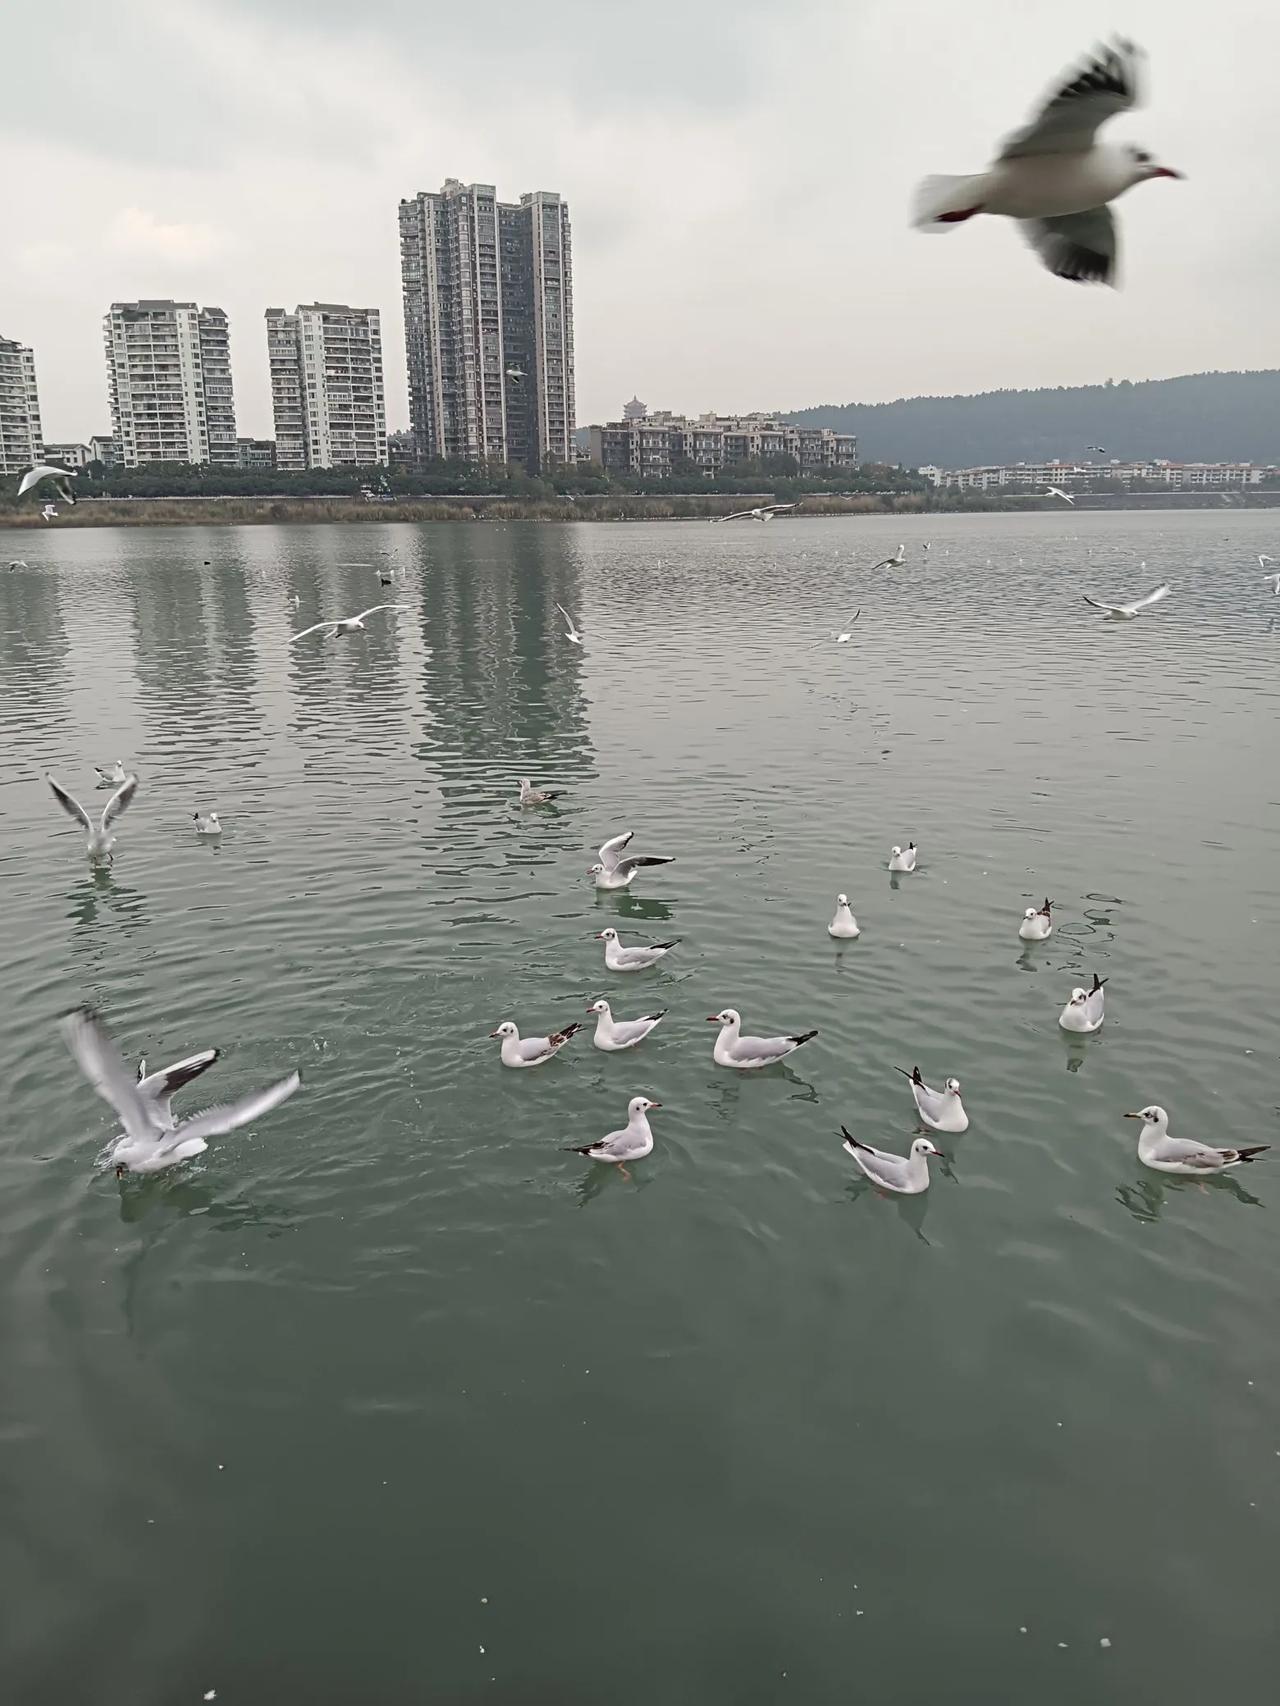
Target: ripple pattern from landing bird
column 392, row 1348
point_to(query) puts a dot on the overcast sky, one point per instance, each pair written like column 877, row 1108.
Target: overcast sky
column 738, row 174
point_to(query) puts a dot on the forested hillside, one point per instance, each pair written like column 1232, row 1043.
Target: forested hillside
column 1200, row 417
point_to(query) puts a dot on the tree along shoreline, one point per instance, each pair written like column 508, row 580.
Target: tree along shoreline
column 617, row 506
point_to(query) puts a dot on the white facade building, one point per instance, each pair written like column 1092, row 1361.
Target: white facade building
column 21, row 443
column 652, row 445
column 327, row 393
column 1037, row 476
column 169, row 379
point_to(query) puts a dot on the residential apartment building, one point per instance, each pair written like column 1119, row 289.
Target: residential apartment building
column 1037, row 476
column 488, row 309
column 327, row 393
column 102, row 448
column 21, row 443
column 169, row 380
column 654, row 445
column 259, row 453
column 68, row 455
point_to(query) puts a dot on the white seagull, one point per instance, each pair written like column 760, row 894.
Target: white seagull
column 614, row 871
column 1275, row 584
column 1085, row 1010
column 746, row 1053
column 530, row 1051
column 1037, row 925
column 111, row 778
column 516, row 373
column 898, row 558
column 618, row 958
column 1126, row 612
column 571, row 632
column 765, row 512
column 908, row 1175
column 842, row 636
column 632, row 1143
column 210, row 825
column 531, row 796
column 1054, row 177
column 45, row 471
column 344, row 624
column 1179, row 1154
column 1057, row 492
column 159, row 1088
column 17, row 564
column 100, row 839
column 941, row 1109
column 903, row 858
column 49, row 512
column 844, row 925
column 614, row 1035
column 1263, row 560
column 151, row 1141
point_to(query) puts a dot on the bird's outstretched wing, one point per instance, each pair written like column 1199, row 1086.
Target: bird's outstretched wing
column 1105, row 84
column 1153, row 597
column 569, row 619
column 1077, row 246
column 1098, row 604
column 374, row 609
column 119, row 801
column 738, row 515
column 72, row 807
column 227, row 1116
column 313, row 629
column 104, row 1067
column 611, row 850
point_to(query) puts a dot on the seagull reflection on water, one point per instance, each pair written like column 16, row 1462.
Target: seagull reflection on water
column 1147, row 1197
column 910, row 1210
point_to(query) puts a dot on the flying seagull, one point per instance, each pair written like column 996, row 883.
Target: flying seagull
column 1057, row 492
column 571, row 632
column 1100, row 448
column 49, row 512
column 100, row 839
column 616, row 868
column 344, row 624
column 46, row 471
column 898, row 558
column 1126, row 612
column 1054, row 177
column 151, row 1141
column 765, row 512
column 516, row 373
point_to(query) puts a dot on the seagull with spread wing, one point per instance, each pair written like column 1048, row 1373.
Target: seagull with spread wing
column 1127, row 612
column 1057, row 492
column 1054, row 177
column 765, row 512
column 46, row 471
column 571, row 631
column 344, row 624
column 100, row 839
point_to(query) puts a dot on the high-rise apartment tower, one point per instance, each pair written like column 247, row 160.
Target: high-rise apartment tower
column 327, row 394
column 169, row 379
column 20, row 440
column 488, row 313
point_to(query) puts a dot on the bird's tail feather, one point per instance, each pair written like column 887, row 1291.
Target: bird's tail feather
column 804, row 1037
column 942, row 202
column 1248, row 1154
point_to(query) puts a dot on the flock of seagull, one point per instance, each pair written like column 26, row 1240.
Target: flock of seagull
column 154, row 1138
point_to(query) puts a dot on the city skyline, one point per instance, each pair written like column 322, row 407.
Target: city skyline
column 739, row 181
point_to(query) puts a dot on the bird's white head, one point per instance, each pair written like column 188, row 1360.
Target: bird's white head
column 594, row 870
column 1078, row 996
column 1143, row 165
column 1030, row 912
column 842, row 900
column 953, row 1086
column 607, row 935
column 895, row 852
column 505, row 1029
column 639, row 1105
column 601, row 1006
column 922, row 1146
column 726, row 1016
column 1154, row 1115
column 525, row 784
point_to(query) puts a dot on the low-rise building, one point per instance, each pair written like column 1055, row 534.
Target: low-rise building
column 257, row 453
column 1076, row 476
column 102, row 448
column 68, row 455
column 656, row 445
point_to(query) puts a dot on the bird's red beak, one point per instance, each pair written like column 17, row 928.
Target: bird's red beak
column 492, row 1035
column 713, row 1018
column 1133, row 1116
column 599, row 936
column 653, row 1105
column 1167, row 172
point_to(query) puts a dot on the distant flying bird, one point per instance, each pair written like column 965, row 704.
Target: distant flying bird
column 344, row 624
column 1126, row 612
column 1275, row 584
column 46, row 471
column 49, row 512
column 100, row 839
column 1057, row 492
column 1100, row 448
column 898, row 558
column 1054, row 177
column 516, row 373
column 16, row 564
column 765, row 512
column 571, row 632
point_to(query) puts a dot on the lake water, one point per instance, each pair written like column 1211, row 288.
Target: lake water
column 387, row 1399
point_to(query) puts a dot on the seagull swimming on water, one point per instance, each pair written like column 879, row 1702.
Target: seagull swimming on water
column 111, row 778
column 1126, row 612
column 1179, row 1154
column 210, row 825
column 844, row 926
column 344, row 624
column 747, row 1053
column 46, row 471
column 908, row 1175
column 614, row 1035
column 1085, row 1011
column 530, row 1051
column 100, row 839
column 903, row 858
column 618, row 958
column 151, row 1140
column 941, row 1109
column 531, row 796
column 616, row 869
column 1037, row 925
column 632, row 1143
column 1054, row 177
column 571, row 632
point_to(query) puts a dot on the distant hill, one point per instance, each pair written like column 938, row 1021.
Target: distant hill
column 1200, row 417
